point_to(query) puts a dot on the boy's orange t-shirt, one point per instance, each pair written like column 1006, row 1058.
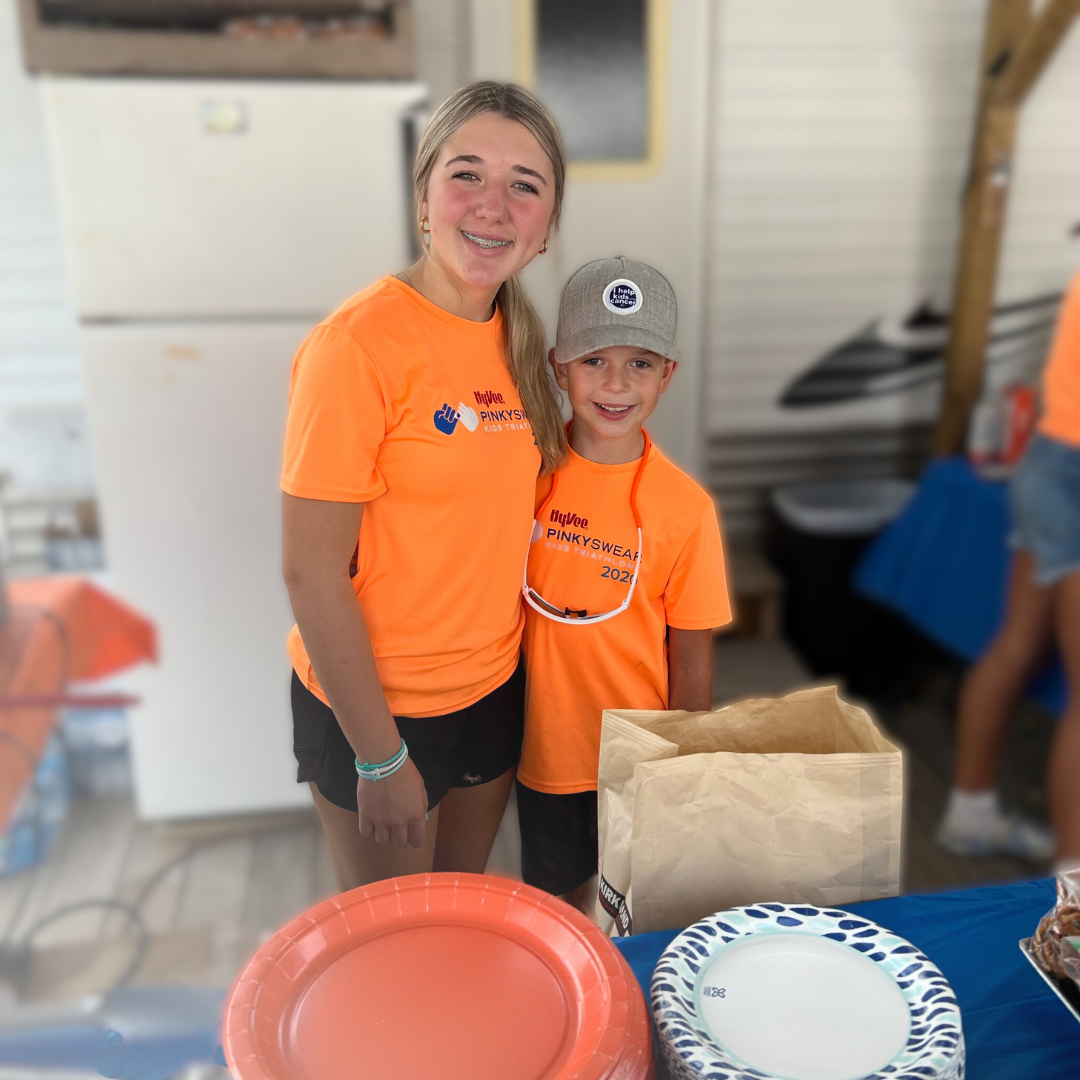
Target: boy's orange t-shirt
column 583, row 560
column 1061, row 379
column 411, row 410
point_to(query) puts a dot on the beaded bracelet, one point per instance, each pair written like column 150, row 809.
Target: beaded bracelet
column 384, row 768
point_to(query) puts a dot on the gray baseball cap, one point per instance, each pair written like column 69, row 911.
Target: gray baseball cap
column 616, row 302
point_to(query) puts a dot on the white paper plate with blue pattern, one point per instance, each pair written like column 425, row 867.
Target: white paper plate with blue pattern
column 798, row 992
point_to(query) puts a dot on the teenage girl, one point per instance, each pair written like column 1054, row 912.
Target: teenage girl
column 420, row 416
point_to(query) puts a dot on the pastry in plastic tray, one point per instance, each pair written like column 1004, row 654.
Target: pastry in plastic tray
column 1062, row 921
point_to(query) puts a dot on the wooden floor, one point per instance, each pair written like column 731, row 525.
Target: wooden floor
column 923, row 723
column 208, row 896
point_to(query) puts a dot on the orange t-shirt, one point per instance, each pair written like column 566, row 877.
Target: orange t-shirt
column 400, row 405
column 585, row 559
column 1061, row 380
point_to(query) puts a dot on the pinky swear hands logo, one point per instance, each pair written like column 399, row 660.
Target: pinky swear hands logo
column 447, row 418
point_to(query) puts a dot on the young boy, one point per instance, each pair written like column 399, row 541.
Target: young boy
column 625, row 578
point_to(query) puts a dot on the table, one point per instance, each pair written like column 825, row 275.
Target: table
column 943, row 564
column 1014, row 1026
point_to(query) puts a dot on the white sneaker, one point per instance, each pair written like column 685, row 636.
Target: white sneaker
column 1013, row 835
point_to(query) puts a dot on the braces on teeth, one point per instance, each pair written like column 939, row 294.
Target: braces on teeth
column 484, row 243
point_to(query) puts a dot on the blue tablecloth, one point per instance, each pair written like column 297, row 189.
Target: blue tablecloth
column 1014, row 1026
column 944, row 563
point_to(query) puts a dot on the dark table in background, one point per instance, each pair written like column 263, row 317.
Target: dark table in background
column 944, row 564
column 1014, row 1026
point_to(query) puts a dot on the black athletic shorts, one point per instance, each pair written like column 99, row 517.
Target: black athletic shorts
column 458, row 750
column 559, row 849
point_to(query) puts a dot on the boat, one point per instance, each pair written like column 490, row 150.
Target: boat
column 893, row 355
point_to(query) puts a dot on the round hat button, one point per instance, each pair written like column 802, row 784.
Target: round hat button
column 622, row 296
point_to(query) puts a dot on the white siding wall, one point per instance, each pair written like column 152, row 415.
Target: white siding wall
column 1039, row 253
column 40, row 368
column 840, row 144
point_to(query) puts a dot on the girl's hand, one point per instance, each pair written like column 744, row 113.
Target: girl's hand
column 393, row 810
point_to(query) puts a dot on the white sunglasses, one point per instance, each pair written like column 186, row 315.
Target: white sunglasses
column 580, row 616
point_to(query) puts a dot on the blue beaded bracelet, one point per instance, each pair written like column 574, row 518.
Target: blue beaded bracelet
column 384, row 768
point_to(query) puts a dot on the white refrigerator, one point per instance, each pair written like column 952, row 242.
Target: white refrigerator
column 208, row 226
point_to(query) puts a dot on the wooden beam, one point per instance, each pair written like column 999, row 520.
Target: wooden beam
column 1033, row 51
column 1006, row 21
column 1016, row 49
column 980, row 237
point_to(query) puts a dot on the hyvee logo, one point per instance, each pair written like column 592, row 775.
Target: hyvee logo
column 565, row 518
column 488, row 397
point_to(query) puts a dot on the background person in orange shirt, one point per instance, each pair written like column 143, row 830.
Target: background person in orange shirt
column 419, row 417
column 1043, row 606
column 625, row 578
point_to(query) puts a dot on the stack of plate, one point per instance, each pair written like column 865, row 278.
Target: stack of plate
column 439, row 975
column 802, row 993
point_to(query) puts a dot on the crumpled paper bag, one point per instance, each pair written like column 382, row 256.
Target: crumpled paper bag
column 795, row 799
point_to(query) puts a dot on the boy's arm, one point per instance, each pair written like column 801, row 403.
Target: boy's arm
column 689, row 669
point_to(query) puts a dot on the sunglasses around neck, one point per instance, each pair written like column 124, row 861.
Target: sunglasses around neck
column 581, row 616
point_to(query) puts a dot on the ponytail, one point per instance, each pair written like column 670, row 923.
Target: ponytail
column 526, row 356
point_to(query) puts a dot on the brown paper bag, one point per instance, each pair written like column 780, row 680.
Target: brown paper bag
column 795, row 799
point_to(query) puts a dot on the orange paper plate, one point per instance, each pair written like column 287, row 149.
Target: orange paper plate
column 447, row 976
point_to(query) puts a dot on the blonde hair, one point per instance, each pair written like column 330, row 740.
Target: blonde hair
column 526, row 345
